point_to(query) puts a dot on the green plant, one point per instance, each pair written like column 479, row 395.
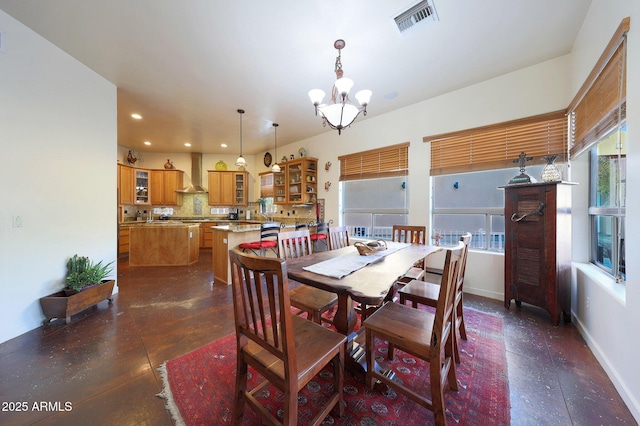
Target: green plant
column 82, row 272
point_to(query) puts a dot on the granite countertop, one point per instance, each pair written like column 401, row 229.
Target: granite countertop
column 237, row 228
column 167, row 223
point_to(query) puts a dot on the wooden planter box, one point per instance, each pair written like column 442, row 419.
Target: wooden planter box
column 59, row 305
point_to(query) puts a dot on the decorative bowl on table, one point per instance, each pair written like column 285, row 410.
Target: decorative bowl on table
column 370, row 247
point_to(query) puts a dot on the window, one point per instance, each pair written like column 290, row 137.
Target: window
column 598, row 126
column 468, row 166
column 607, row 202
column 473, row 202
column 373, row 195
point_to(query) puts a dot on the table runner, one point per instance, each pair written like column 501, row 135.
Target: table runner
column 339, row 267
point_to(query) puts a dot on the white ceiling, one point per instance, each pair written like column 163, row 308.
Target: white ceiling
column 187, row 66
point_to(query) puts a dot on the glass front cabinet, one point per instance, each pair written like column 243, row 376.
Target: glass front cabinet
column 142, row 187
column 300, row 182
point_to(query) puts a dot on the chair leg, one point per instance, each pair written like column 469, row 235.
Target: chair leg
column 460, row 319
column 241, row 387
column 290, row 407
column 371, row 358
column 437, row 393
column 338, row 373
column 391, row 351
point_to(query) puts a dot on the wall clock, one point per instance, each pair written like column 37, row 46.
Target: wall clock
column 267, row 159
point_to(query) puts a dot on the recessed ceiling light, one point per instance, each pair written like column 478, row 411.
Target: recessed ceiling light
column 187, row 144
column 147, row 143
column 136, row 116
column 391, row 95
column 224, row 145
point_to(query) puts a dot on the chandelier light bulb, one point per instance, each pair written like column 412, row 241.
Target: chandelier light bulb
column 344, row 85
column 363, row 97
column 316, row 96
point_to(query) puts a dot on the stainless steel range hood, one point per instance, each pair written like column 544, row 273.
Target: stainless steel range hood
column 196, row 176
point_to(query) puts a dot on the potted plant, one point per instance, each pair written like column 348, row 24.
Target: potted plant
column 82, row 273
column 86, row 285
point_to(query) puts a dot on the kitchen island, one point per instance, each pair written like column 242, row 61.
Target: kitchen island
column 164, row 244
column 225, row 238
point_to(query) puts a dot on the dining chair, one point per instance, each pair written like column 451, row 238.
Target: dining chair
column 338, row 237
column 413, row 235
column 268, row 240
column 409, row 234
column 320, row 236
column 424, row 334
column 313, row 301
column 427, row 292
column 402, row 234
column 288, row 351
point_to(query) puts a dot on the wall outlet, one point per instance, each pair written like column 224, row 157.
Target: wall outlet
column 588, row 304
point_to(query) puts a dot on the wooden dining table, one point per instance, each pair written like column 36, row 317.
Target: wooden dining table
column 369, row 285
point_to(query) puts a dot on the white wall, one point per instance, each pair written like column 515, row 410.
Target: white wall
column 608, row 320
column 58, row 134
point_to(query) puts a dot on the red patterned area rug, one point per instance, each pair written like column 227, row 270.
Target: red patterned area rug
column 199, row 386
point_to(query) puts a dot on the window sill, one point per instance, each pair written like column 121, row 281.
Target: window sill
column 617, row 290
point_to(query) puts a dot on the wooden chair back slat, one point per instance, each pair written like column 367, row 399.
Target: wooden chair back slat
column 261, row 294
column 294, row 244
column 409, row 234
column 338, row 237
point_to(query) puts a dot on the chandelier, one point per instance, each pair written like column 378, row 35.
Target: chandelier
column 340, row 113
column 241, row 162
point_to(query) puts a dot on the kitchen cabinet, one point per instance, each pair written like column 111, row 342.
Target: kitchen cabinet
column 142, row 194
column 298, row 183
column 227, row 188
column 123, row 240
column 205, row 234
column 163, row 186
column 160, row 244
column 279, row 186
column 538, row 247
column 125, row 184
column 266, row 184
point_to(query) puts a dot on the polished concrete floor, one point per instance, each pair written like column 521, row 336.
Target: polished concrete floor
column 102, row 368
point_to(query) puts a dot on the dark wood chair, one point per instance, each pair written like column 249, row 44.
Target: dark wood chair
column 268, row 240
column 288, row 351
column 423, row 334
column 426, row 293
column 338, row 237
column 412, row 235
column 403, row 234
column 320, row 236
column 313, row 301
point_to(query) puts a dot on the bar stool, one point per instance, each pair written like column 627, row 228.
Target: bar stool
column 268, row 240
column 321, row 235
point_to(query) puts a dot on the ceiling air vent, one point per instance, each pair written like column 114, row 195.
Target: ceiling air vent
column 416, row 17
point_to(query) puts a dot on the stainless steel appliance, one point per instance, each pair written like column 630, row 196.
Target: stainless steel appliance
column 233, row 214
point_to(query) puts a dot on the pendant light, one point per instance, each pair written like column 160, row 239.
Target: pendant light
column 241, row 162
column 275, row 168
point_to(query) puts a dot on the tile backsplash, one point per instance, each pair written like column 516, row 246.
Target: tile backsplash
column 196, row 206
